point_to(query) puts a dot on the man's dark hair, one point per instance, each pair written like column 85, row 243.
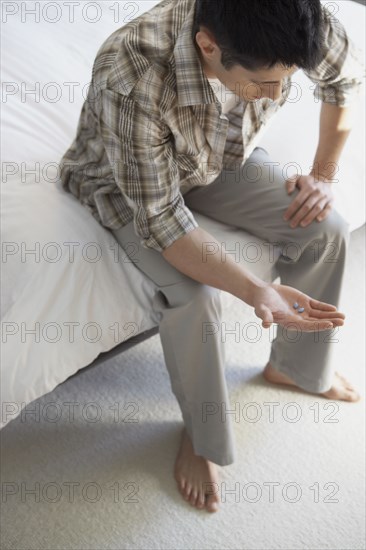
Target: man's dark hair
column 258, row 34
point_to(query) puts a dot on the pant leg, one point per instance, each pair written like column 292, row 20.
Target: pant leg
column 196, row 366
column 253, row 197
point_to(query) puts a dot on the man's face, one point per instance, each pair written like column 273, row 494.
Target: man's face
column 248, row 85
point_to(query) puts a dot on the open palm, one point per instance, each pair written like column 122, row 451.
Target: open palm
column 274, row 304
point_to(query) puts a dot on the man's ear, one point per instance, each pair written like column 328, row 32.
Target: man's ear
column 206, row 39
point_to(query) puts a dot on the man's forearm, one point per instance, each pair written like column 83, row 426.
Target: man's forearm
column 188, row 255
column 335, row 127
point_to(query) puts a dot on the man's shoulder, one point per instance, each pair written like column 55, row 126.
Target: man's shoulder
column 146, row 41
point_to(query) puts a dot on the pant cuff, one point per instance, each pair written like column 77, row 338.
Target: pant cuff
column 214, row 456
column 312, row 386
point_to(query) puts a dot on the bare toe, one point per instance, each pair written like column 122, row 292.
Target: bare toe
column 201, row 500
column 342, row 393
column 181, row 485
column 187, row 492
column 193, row 497
column 353, row 396
column 212, row 504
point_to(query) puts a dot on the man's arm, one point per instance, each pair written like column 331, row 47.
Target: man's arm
column 187, row 254
column 335, row 127
column 338, row 78
column 315, row 199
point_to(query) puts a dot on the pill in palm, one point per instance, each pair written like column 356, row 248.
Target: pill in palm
column 296, row 305
column 301, row 309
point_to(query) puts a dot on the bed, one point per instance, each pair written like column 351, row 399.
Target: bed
column 70, row 299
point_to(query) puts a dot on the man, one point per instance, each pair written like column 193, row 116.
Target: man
column 156, row 139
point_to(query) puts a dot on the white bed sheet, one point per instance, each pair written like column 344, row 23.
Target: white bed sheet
column 77, row 295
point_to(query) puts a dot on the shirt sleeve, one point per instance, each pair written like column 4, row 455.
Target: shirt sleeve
column 340, row 74
column 140, row 148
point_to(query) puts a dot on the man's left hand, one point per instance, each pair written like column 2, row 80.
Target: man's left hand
column 313, row 202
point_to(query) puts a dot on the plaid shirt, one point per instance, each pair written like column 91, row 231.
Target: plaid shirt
column 152, row 127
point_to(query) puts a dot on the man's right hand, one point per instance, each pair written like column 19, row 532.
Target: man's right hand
column 273, row 303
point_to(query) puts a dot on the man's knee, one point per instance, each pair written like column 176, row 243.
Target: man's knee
column 329, row 236
column 334, row 227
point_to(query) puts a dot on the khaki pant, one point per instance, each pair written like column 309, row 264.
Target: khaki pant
column 253, row 198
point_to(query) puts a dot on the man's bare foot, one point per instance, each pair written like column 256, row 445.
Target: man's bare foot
column 193, row 473
column 341, row 389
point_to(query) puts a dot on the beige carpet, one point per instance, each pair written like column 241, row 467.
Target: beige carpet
column 124, row 495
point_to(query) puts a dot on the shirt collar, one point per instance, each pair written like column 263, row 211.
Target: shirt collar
column 193, row 87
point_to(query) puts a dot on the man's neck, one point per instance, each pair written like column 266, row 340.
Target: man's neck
column 206, row 70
